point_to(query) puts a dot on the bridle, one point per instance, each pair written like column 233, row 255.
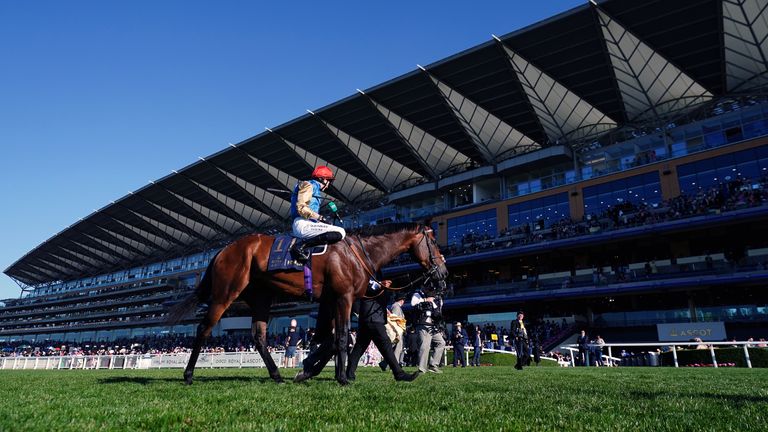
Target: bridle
column 435, row 260
column 431, row 274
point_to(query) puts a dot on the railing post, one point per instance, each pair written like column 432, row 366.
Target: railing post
column 712, row 352
column 610, row 356
column 674, row 354
column 746, row 356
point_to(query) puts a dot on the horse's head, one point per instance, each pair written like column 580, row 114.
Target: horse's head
column 425, row 251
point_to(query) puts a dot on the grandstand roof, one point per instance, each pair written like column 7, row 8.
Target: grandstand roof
column 564, row 80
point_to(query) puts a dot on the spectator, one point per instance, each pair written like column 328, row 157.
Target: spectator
column 291, row 341
column 459, row 339
column 582, row 343
column 477, row 346
column 520, row 340
column 599, row 344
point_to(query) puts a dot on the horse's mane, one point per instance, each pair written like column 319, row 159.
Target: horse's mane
column 389, row 228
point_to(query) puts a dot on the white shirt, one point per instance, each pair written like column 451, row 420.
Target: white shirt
column 419, row 298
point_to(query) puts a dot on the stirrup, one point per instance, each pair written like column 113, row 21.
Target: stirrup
column 299, row 254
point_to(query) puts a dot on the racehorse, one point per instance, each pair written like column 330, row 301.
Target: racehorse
column 339, row 277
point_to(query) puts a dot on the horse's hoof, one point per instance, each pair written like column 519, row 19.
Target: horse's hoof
column 278, row 379
column 301, row 377
column 343, row 381
column 187, row 378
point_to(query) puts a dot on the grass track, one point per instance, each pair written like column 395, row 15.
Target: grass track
column 484, row 399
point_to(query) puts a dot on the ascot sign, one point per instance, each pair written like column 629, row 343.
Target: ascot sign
column 684, row 332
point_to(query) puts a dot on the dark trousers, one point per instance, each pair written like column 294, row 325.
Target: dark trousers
column 476, row 358
column 458, row 355
column 378, row 334
column 521, row 350
column 582, row 358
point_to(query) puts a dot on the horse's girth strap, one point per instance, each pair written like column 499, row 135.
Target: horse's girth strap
column 360, row 259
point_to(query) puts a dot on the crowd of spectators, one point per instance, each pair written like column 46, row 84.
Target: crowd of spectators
column 726, row 196
column 543, row 332
column 155, row 344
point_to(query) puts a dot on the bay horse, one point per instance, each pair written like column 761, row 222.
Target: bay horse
column 340, row 276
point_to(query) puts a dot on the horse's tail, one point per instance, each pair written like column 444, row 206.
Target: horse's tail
column 201, row 294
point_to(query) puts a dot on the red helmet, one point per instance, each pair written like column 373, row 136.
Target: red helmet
column 323, row 172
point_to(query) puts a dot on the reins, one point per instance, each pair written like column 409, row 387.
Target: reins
column 369, row 267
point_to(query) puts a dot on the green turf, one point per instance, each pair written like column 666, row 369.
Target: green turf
column 470, row 399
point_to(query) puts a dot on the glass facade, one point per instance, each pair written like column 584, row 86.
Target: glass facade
column 750, row 165
column 635, row 318
column 542, row 212
column 176, row 265
column 643, row 188
column 475, row 226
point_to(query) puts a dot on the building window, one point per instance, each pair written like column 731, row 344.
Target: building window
column 627, row 194
column 747, row 167
column 472, row 227
column 539, row 213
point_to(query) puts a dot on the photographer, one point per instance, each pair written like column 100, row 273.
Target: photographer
column 428, row 315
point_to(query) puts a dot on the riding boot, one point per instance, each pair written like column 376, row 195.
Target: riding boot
column 300, row 248
column 298, row 252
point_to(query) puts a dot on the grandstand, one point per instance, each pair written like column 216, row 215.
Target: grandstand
column 607, row 166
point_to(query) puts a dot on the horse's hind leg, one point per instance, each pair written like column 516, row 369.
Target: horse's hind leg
column 261, row 347
column 260, row 303
column 203, row 331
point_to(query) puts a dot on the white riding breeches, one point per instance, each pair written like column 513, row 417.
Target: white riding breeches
column 305, row 228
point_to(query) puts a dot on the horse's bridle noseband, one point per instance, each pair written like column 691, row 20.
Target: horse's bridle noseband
column 435, row 261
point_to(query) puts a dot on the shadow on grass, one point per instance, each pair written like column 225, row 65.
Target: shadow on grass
column 180, row 380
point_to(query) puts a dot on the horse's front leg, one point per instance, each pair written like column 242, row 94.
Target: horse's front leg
column 343, row 310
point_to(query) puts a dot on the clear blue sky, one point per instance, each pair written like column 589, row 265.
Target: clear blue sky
column 97, row 98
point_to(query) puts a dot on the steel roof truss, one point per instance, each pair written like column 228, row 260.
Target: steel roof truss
column 645, row 76
column 745, row 36
column 266, row 201
column 183, row 236
column 492, row 136
column 311, row 161
column 234, row 207
column 387, row 171
column 100, row 252
column 158, row 242
column 130, row 244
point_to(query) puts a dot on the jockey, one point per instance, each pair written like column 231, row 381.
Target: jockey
column 309, row 226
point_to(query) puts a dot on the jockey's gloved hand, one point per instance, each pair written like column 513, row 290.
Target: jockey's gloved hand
column 320, row 218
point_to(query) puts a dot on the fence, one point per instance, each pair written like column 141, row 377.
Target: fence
column 145, row 361
column 574, row 349
column 169, row 361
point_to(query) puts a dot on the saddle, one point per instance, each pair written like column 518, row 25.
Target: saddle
column 280, row 259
